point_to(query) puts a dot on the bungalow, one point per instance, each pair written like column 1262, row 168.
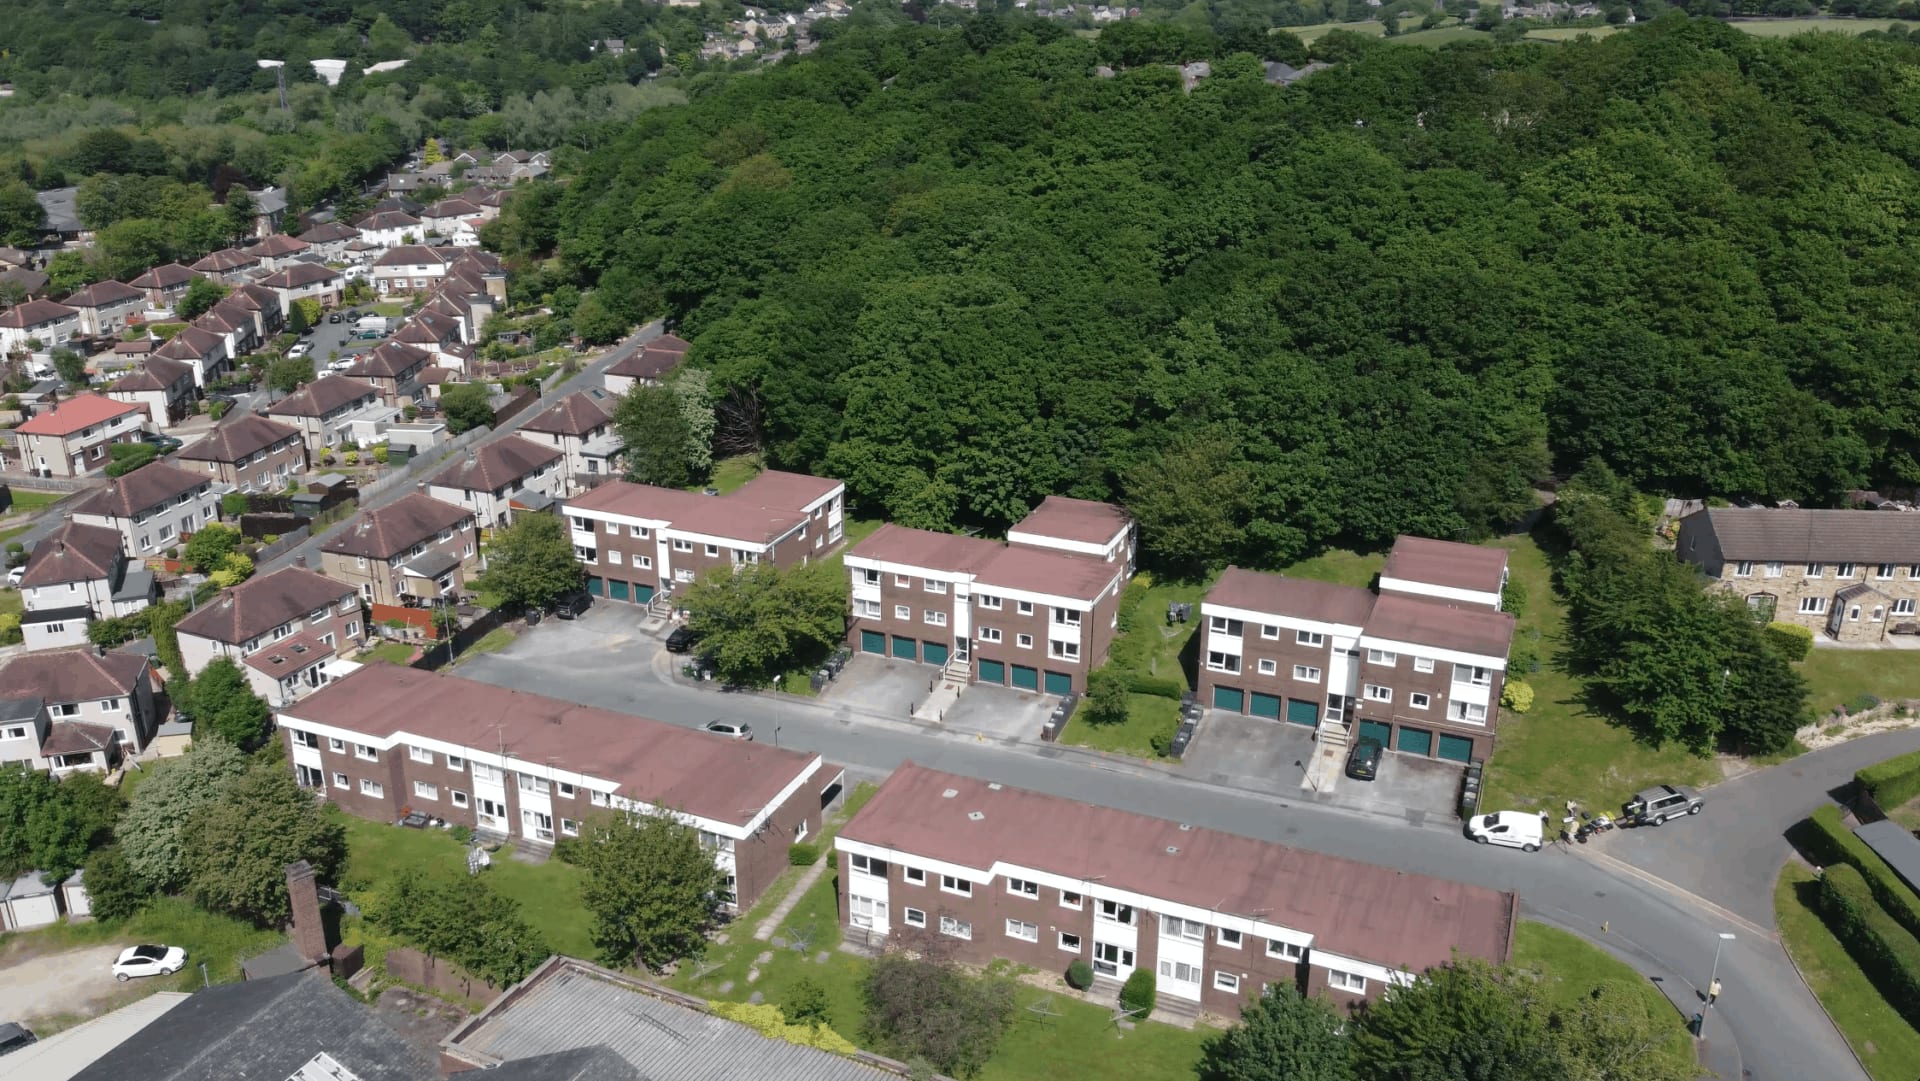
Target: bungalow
column 394, row 371
column 76, row 575
column 71, row 439
column 249, row 452
column 329, row 240
column 580, row 427
column 203, row 350
column 647, row 366
column 410, row 268
column 90, row 687
column 411, row 552
column 106, row 307
column 278, row 251
column 496, row 477
column 155, row 507
column 283, row 629
column 304, row 281
column 43, row 321
column 390, row 228
column 163, row 387
column 164, row 284
column 324, row 408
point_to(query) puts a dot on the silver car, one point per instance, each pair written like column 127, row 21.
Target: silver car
column 1655, row 805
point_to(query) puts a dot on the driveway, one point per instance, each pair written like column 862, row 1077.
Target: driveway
column 876, row 685
column 1239, row 751
column 58, row 983
column 1000, row 713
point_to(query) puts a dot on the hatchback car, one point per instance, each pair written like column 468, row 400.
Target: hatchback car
column 682, row 640
column 731, row 729
column 298, row 350
column 1514, row 829
column 340, row 365
column 1655, row 805
column 1363, row 764
column 13, row 1037
column 148, row 961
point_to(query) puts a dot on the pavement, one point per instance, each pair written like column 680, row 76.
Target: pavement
column 1767, row 1026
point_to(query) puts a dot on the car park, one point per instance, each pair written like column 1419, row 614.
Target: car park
column 1514, row 829
column 1655, row 805
column 682, row 639
column 148, row 961
column 731, row 729
column 1363, row 763
column 14, row 1036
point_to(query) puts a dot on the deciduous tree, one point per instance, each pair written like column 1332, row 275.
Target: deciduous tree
column 924, row 1007
column 220, row 701
column 236, row 846
column 114, row 891
column 465, row 407
column 152, row 832
column 530, row 562
column 288, row 374
column 210, row 546
column 1282, row 1036
column 759, row 620
column 1462, row 1021
column 653, row 889
column 653, row 425
column 202, row 293
column 464, row 921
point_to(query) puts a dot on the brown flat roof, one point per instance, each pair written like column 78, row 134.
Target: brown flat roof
column 1377, row 914
column 1446, row 563
column 1084, row 520
column 779, row 489
column 947, row 552
column 738, row 516
column 1302, row 598
column 1046, row 570
column 657, row 763
column 1465, row 627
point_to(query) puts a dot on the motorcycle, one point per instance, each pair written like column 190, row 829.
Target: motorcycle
column 1593, row 824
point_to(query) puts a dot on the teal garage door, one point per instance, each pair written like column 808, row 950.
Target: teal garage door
column 1379, row 730
column 903, row 647
column 933, row 652
column 1027, row 679
column 642, row 592
column 1264, row 705
column 1300, row 711
column 1229, row 698
column 618, row 591
column 873, row 642
column 596, row 587
column 1456, row 748
column 1059, row 683
column 994, row 672
column 1416, row 741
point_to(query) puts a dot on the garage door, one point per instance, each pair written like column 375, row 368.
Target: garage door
column 903, row 647
column 873, row 642
column 933, row 652
column 1264, row 705
column 1300, row 711
column 1416, row 741
column 596, row 587
column 994, row 672
column 1229, row 698
column 1027, row 679
column 618, row 591
column 642, row 592
column 1059, row 683
column 1379, row 730
column 1456, row 748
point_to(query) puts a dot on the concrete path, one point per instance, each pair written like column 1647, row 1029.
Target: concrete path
column 787, row 904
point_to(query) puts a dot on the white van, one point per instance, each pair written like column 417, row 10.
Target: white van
column 1515, row 829
column 372, row 322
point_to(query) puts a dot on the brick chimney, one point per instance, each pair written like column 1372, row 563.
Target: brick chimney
column 309, row 933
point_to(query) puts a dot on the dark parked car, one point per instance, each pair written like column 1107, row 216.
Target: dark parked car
column 167, row 444
column 1363, row 762
column 682, row 639
column 573, row 605
column 13, row 1037
column 334, row 317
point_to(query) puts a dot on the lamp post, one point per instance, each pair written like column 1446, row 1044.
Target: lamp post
column 1713, row 980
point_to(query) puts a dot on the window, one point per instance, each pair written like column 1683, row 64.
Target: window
column 1226, row 981
column 1222, row 625
column 1843, row 570
column 638, row 531
column 989, row 601
column 1024, row 641
column 955, row 928
column 683, row 546
column 566, row 790
column 989, row 634
column 1381, row 656
column 1309, row 638
column 361, row 750
column 66, row 709
column 937, row 619
column 866, row 866
column 1223, row 662
column 1022, row 887
column 490, row 774
column 1884, row 570
column 1418, row 700
column 336, row 745
column 1377, row 693
column 1473, row 674
column 530, row 783
column 1069, row 943
column 1743, row 569
column 423, row 790
column 420, row 754
column 865, row 911
column 1853, row 614
column 1175, row 927
column 1180, row 972
column 1306, row 673
column 915, row 917
column 1229, row 938
column 1812, row 606
column 713, row 549
column 1024, row 931
column 1068, row 650
column 570, row 827
column 613, row 556
column 1268, row 666
column 1775, row 570
column 459, row 797
column 371, row 788
column 1903, row 606
column 1071, row 900
column 598, row 799
column 902, row 611
column 956, row 885
column 1117, row 912
column 1066, row 617
column 303, row 739
column 1346, row 981
column 1470, row 712
column 1879, row 613
column 1423, row 664
column 1815, row 570
column 1285, row 951
column 340, row 780
column 931, row 586
column 456, row 763
column 585, row 555
column 1025, row 608
column 915, row 875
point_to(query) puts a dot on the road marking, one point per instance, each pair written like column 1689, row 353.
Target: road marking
column 1622, row 866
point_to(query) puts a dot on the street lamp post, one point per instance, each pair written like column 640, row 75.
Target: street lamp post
column 1713, row 981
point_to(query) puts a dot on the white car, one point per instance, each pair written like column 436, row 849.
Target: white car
column 730, row 729
column 148, row 961
column 299, row 350
column 340, row 365
column 16, row 574
column 1515, row 829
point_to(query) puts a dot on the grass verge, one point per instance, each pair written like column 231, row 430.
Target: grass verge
column 392, row 652
column 1888, row 1046
column 1147, row 716
column 25, row 500
column 1569, row 967
column 1836, row 677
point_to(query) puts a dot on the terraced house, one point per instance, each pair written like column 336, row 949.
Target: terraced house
column 283, row 629
column 1849, row 575
column 1000, row 873
column 1417, row 663
column 386, row 740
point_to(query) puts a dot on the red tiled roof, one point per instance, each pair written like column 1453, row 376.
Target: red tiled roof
column 78, row 412
column 1302, row 598
column 1081, row 520
column 926, row 549
column 1446, row 563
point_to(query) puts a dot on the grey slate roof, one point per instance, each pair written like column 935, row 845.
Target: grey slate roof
column 1763, row 534
column 263, row 1030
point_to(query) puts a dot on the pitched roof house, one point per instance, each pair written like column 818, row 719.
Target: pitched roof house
column 1850, row 575
column 248, row 451
column 323, row 408
column 44, row 321
column 501, row 475
column 154, row 508
column 89, row 686
column 71, row 439
column 104, row 307
column 164, row 284
column 648, row 365
column 580, row 427
column 284, row 629
column 77, row 574
column 410, row 552
column 161, row 386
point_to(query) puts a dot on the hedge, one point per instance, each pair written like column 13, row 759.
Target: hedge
column 803, row 855
column 1840, row 846
column 1157, row 686
column 1893, row 782
column 1887, row 952
column 1138, row 992
column 1790, row 640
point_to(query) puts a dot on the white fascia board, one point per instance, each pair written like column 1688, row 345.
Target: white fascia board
column 1292, row 623
column 595, row 515
column 838, row 490
column 867, row 563
column 728, row 542
column 1418, row 649
column 1050, row 599
column 1411, row 587
column 1336, row 962
column 1039, row 540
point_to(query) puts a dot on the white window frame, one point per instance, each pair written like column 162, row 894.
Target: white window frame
column 1079, row 900
column 420, row 754
column 426, row 790
column 915, row 875
column 1024, row 641
column 1060, row 943
column 1229, row 938
column 1903, row 606
column 1384, row 657
column 1218, row 661
column 934, row 618
column 1020, row 887
column 1374, row 692
column 959, row 887
column 1346, row 981
column 913, row 917
column 1023, row 930
column 987, row 601
column 341, row 781
column 458, row 797
column 990, row 634
column 370, row 787
column 953, row 928
column 1419, row 700
column 1423, row 664
column 1269, row 666
column 1226, row 981
column 1309, row 638
column 1813, row 606
column 1285, row 951
column 1066, row 651
column 903, row 611
column 1306, row 673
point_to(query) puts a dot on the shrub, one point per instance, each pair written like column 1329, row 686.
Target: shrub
column 768, row 1020
column 1790, row 640
column 1162, row 740
column 1106, row 697
column 1893, row 782
column 464, row 835
column 10, row 634
column 173, row 553
column 1157, row 686
column 1138, row 992
column 1513, row 598
column 1516, row 696
column 353, row 457
column 567, row 850
column 803, row 854
column 1079, row 975
column 233, row 504
column 1887, row 952
column 1862, row 703
column 1837, row 845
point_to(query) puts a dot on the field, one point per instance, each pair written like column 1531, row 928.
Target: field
column 1836, row 677
column 1883, row 1040
column 1441, row 35
column 1780, row 28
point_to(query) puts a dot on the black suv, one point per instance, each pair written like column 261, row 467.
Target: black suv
column 682, row 639
column 1363, row 764
column 573, row 605
column 13, row 1037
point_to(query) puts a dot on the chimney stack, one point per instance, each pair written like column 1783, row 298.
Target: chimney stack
column 309, row 933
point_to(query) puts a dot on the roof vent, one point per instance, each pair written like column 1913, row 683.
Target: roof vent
column 950, row 793
column 1185, row 826
column 1173, row 850
column 994, row 785
column 975, row 816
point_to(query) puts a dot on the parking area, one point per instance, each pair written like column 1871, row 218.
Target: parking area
column 874, row 684
column 1000, row 713
column 1250, row 752
column 619, row 636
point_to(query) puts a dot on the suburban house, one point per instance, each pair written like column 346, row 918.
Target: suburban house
column 1417, row 663
column 580, row 427
column 262, row 303
column 163, row 387
column 106, row 307
column 202, row 350
column 323, row 408
column 1853, row 575
column 495, row 478
column 76, row 575
column 394, row 370
column 329, row 240
column 283, row 629
column 71, row 439
column 386, row 740
column 440, row 336
column 44, row 321
column 304, row 281
column 647, row 367
column 164, row 284
column 637, row 540
column 98, row 696
column 28, row 735
column 278, row 251
column 1002, row 873
column 389, row 228
column 227, row 264
column 269, row 210
column 1036, row 614
column 408, row 553
column 234, row 324
column 442, row 216
column 410, row 268
column 249, row 452
column 155, row 507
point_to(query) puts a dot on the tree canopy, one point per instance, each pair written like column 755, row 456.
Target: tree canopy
column 759, row 620
column 221, row 699
column 466, row 406
column 530, row 562
column 652, row 887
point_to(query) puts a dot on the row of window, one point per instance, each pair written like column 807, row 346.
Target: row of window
column 455, row 763
column 1816, row 606
column 1467, row 674
column 1881, row 571
column 1065, row 616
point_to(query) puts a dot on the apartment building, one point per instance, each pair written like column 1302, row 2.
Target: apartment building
column 324, row 408
column 106, row 307
column 1417, row 663
column 71, row 439
column 386, row 740
column 1083, row 526
column 77, row 574
column 638, row 541
column 249, row 452
column 1000, row 873
column 44, row 321
column 154, row 508
column 163, row 387
column 498, row 477
column 1851, row 575
column 109, row 693
column 580, row 427
column 283, row 629
column 408, row 553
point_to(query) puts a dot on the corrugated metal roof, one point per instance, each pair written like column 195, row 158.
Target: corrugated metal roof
column 1896, row 845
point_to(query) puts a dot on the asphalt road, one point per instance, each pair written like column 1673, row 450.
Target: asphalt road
column 1779, row 1031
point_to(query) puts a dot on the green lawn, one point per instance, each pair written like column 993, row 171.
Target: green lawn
column 1570, row 967
column 1836, row 677
column 1147, row 643
column 1146, row 715
column 1560, row 750
column 493, row 641
column 730, row 473
column 1569, row 33
column 390, row 308
column 26, row 500
column 1372, row 29
column 392, row 652
column 9, row 534
column 1441, row 35
column 1340, row 568
column 218, row 941
column 1779, row 28
column 1880, row 1036
column 12, row 602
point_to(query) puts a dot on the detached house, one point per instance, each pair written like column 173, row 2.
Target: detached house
column 100, row 704
column 648, row 366
column 389, row 228
column 71, row 439
column 329, row 240
column 304, row 281
column 42, row 321
column 410, row 268
column 106, row 307
column 278, row 251
column 498, row 477
column 249, row 452
column 638, row 541
column 1852, row 575
column 163, row 285
column 75, row 576
column 283, row 629
column 154, row 508
column 1418, row 663
column 323, row 410
column 580, row 427
column 163, row 387
column 409, row 553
